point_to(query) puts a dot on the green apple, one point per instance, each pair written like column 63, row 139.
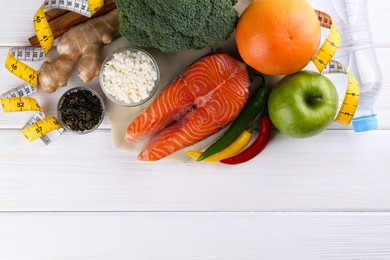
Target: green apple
column 303, row 104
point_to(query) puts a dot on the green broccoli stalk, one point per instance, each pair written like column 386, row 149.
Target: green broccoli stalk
column 176, row 25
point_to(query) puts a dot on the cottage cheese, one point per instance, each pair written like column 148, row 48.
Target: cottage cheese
column 129, row 76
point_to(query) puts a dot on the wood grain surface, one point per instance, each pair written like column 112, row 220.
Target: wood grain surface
column 326, row 197
column 204, row 236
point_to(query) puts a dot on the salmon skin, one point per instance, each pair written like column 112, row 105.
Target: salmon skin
column 198, row 103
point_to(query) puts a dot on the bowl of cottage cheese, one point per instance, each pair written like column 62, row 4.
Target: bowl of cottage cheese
column 129, row 76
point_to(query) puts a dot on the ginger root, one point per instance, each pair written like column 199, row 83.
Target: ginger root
column 83, row 41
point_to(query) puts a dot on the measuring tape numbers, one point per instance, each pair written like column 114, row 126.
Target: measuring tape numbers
column 18, row 99
column 328, row 49
column 45, row 36
column 19, row 104
column 351, row 98
column 325, row 65
column 23, row 90
column 15, row 65
column 41, row 25
column 40, row 126
column 15, row 100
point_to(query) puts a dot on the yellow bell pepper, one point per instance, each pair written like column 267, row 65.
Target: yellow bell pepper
column 240, row 143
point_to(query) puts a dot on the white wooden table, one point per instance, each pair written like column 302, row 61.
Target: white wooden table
column 326, row 197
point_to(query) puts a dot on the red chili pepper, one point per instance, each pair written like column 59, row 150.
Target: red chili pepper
column 258, row 145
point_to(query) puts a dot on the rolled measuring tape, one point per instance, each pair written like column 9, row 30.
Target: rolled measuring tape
column 18, row 99
column 19, row 104
column 48, row 129
column 325, row 65
column 40, row 126
column 351, row 99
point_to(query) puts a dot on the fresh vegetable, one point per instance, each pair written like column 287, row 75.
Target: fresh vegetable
column 83, row 41
column 176, row 25
column 240, row 143
column 258, row 145
column 254, row 106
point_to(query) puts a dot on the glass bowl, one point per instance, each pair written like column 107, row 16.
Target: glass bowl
column 118, row 100
column 61, row 113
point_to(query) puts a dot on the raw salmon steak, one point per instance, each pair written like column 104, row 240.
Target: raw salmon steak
column 198, row 103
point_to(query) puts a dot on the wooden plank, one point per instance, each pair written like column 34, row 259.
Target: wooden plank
column 17, row 21
column 378, row 11
column 195, row 236
column 335, row 171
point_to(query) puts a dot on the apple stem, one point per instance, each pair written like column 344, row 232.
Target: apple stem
column 311, row 100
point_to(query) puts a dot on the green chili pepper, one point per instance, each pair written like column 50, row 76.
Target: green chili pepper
column 254, row 106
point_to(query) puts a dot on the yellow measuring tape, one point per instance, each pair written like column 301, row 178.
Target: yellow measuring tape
column 50, row 130
column 324, row 63
column 41, row 128
column 41, row 25
column 18, row 68
column 38, row 126
column 19, row 104
column 17, row 99
column 351, row 99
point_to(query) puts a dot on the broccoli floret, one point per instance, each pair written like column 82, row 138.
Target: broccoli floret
column 176, row 25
